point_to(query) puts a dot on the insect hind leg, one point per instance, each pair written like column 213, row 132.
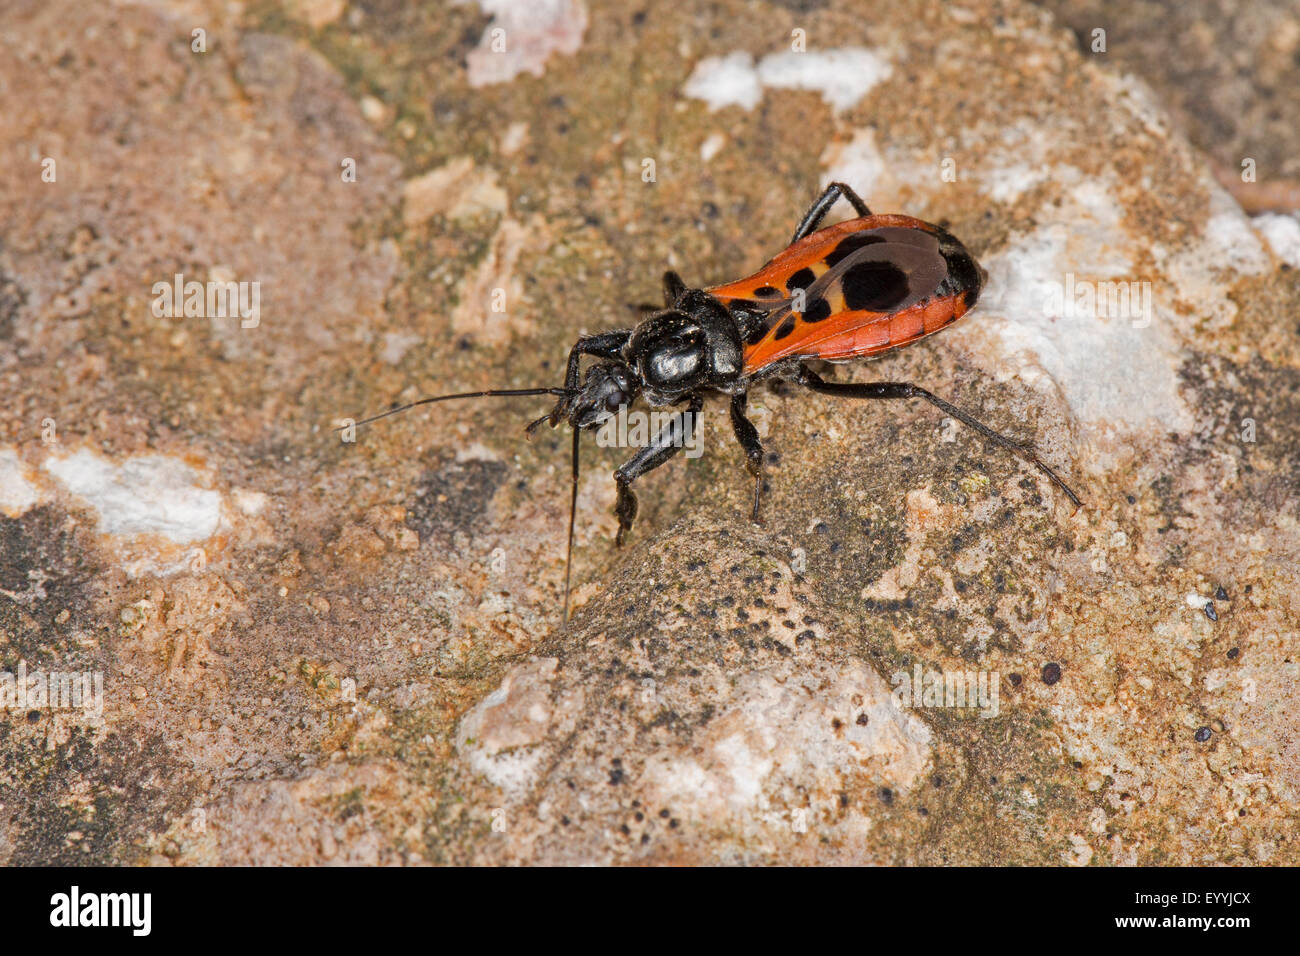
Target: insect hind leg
column 670, row 440
column 815, row 382
column 812, row 219
column 747, row 435
column 674, row 286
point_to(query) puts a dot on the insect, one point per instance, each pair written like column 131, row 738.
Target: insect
column 855, row 289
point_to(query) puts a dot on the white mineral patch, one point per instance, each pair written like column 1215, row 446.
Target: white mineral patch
column 396, row 345
column 317, row 13
column 842, row 76
column 1204, row 272
column 502, row 735
column 522, row 36
column 1230, row 238
column 725, row 81
column 17, row 494
column 152, row 494
column 513, row 138
column 1008, row 183
column 860, row 163
column 1067, row 302
column 250, row 503
column 712, row 146
column 781, row 730
column 1283, row 235
column 458, row 190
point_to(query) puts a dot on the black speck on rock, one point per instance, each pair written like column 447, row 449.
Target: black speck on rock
column 1210, row 611
column 1051, row 673
column 1203, row 734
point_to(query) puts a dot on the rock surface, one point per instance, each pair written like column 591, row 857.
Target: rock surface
column 322, row 651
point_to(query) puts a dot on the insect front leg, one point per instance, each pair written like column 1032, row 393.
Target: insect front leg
column 747, row 435
column 601, row 345
column 606, row 345
column 812, row 219
column 671, row 439
column 906, row 390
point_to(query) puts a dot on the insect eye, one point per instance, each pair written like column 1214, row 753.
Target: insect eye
column 614, row 400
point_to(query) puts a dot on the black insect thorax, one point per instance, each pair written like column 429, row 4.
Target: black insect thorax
column 695, row 345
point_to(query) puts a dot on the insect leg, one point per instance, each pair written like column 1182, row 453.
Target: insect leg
column 905, row 390
column 822, row 205
column 600, row 345
column 747, row 435
column 671, row 439
column 673, row 288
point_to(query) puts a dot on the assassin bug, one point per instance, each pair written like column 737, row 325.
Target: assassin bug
column 852, row 290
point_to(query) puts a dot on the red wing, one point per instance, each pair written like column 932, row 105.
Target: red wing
column 808, row 253
column 855, row 288
column 852, row 333
column 815, row 252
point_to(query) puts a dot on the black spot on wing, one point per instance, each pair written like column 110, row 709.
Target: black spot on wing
column 784, row 329
column 874, row 287
column 850, row 243
column 818, row 310
column 766, row 290
column 801, row 279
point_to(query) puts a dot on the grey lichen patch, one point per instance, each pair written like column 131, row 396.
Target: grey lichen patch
column 452, row 495
column 89, row 799
column 49, row 585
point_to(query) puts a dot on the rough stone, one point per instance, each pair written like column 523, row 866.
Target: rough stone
column 357, row 655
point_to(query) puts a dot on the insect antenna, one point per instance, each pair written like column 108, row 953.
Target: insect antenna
column 488, row 393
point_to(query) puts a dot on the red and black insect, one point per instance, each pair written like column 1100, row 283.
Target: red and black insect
column 858, row 288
